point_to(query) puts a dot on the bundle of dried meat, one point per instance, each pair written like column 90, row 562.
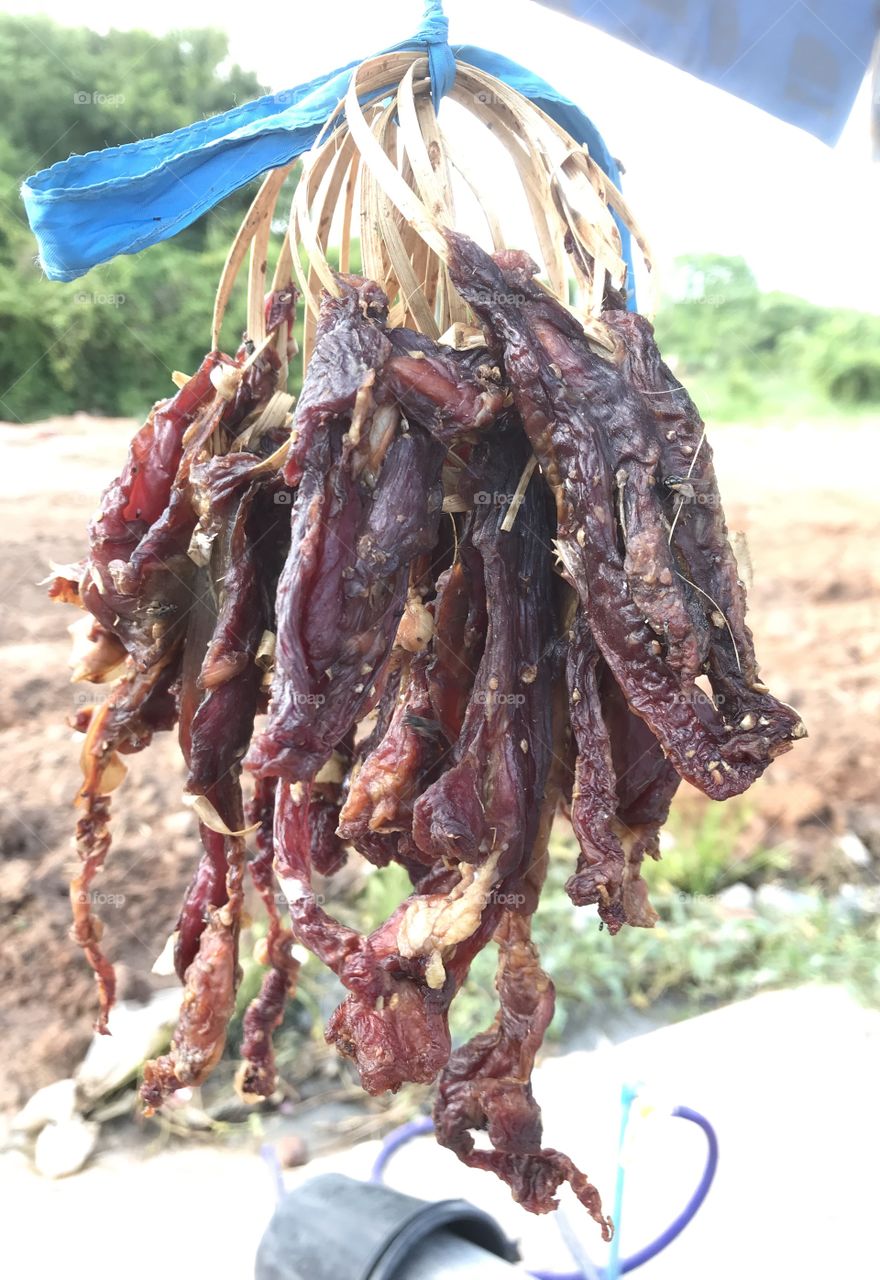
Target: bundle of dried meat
column 435, row 689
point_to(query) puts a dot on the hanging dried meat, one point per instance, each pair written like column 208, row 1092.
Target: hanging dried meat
column 463, row 587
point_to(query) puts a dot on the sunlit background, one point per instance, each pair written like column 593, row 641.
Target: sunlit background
column 768, row 289
column 704, row 170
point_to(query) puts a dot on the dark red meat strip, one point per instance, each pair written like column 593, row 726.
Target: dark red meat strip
column 574, row 434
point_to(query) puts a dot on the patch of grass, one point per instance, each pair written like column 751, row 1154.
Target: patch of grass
column 701, row 854
column 701, row 953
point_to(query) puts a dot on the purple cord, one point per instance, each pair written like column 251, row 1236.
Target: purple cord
column 424, row 1124
column 396, row 1139
column 270, row 1155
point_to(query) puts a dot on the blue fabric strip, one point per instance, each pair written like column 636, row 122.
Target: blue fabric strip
column 87, row 209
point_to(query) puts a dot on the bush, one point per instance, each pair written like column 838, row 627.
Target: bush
column 745, row 354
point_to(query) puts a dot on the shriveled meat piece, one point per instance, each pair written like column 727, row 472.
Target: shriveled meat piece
column 665, row 600
column 459, row 636
column 143, row 596
column 646, row 785
column 376, row 848
column 207, row 889
column 131, row 504
column 601, row 861
column 138, row 706
column 251, row 527
column 343, row 589
column 578, row 435
column 210, row 984
column 623, row 786
column 487, row 1086
column 257, row 1076
column 161, row 564
column 446, row 391
column 393, row 1032
column 245, row 537
column 350, row 348
column 137, row 580
column 208, row 1002
column 484, row 805
column 669, row 605
column 328, row 849
column 205, row 893
column 687, row 470
column 698, row 528
column 381, row 794
column 401, row 1034
column 394, row 1023
column 137, row 498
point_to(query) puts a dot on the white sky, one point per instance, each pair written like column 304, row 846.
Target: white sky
column 704, row 171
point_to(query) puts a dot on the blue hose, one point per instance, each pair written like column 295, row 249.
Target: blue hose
column 415, row 1128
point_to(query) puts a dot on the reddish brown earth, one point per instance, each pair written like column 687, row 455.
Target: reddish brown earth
column 812, row 531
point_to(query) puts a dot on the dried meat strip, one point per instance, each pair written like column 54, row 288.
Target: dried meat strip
column 210, row 984
column 601, row 862
column 240, row 494
column 487, row 1086
column 350, row 348
column 578, row 434
column 208, row 1002
column 138, row 706
column 483, row 806
column 343, row 591
column 130, row 506
column 137, row 581
column 446, row 391
column 697, row 524
column 391, row 1024
column 459, row 636
column 382, row 793
column 257, row 1076
column 221, row 682
column 623, row 786
column 204, row 894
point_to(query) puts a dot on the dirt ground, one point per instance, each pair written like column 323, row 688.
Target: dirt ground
column 812, row 527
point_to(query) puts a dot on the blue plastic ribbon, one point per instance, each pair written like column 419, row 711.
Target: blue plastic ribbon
column 87, row 209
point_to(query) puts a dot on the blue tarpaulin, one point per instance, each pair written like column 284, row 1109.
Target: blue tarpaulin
column 802, row 62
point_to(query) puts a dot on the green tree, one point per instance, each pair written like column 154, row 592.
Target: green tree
column 746, row 354
column 109, row 341
column 844, row 357
column 713, row 279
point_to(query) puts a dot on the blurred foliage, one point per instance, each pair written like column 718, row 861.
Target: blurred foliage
column 108, row 342
column 703, row 855
column 701, row 953
column 704, row 951
column 744, row 354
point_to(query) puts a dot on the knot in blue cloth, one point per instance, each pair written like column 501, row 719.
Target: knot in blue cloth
column 434, row 32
